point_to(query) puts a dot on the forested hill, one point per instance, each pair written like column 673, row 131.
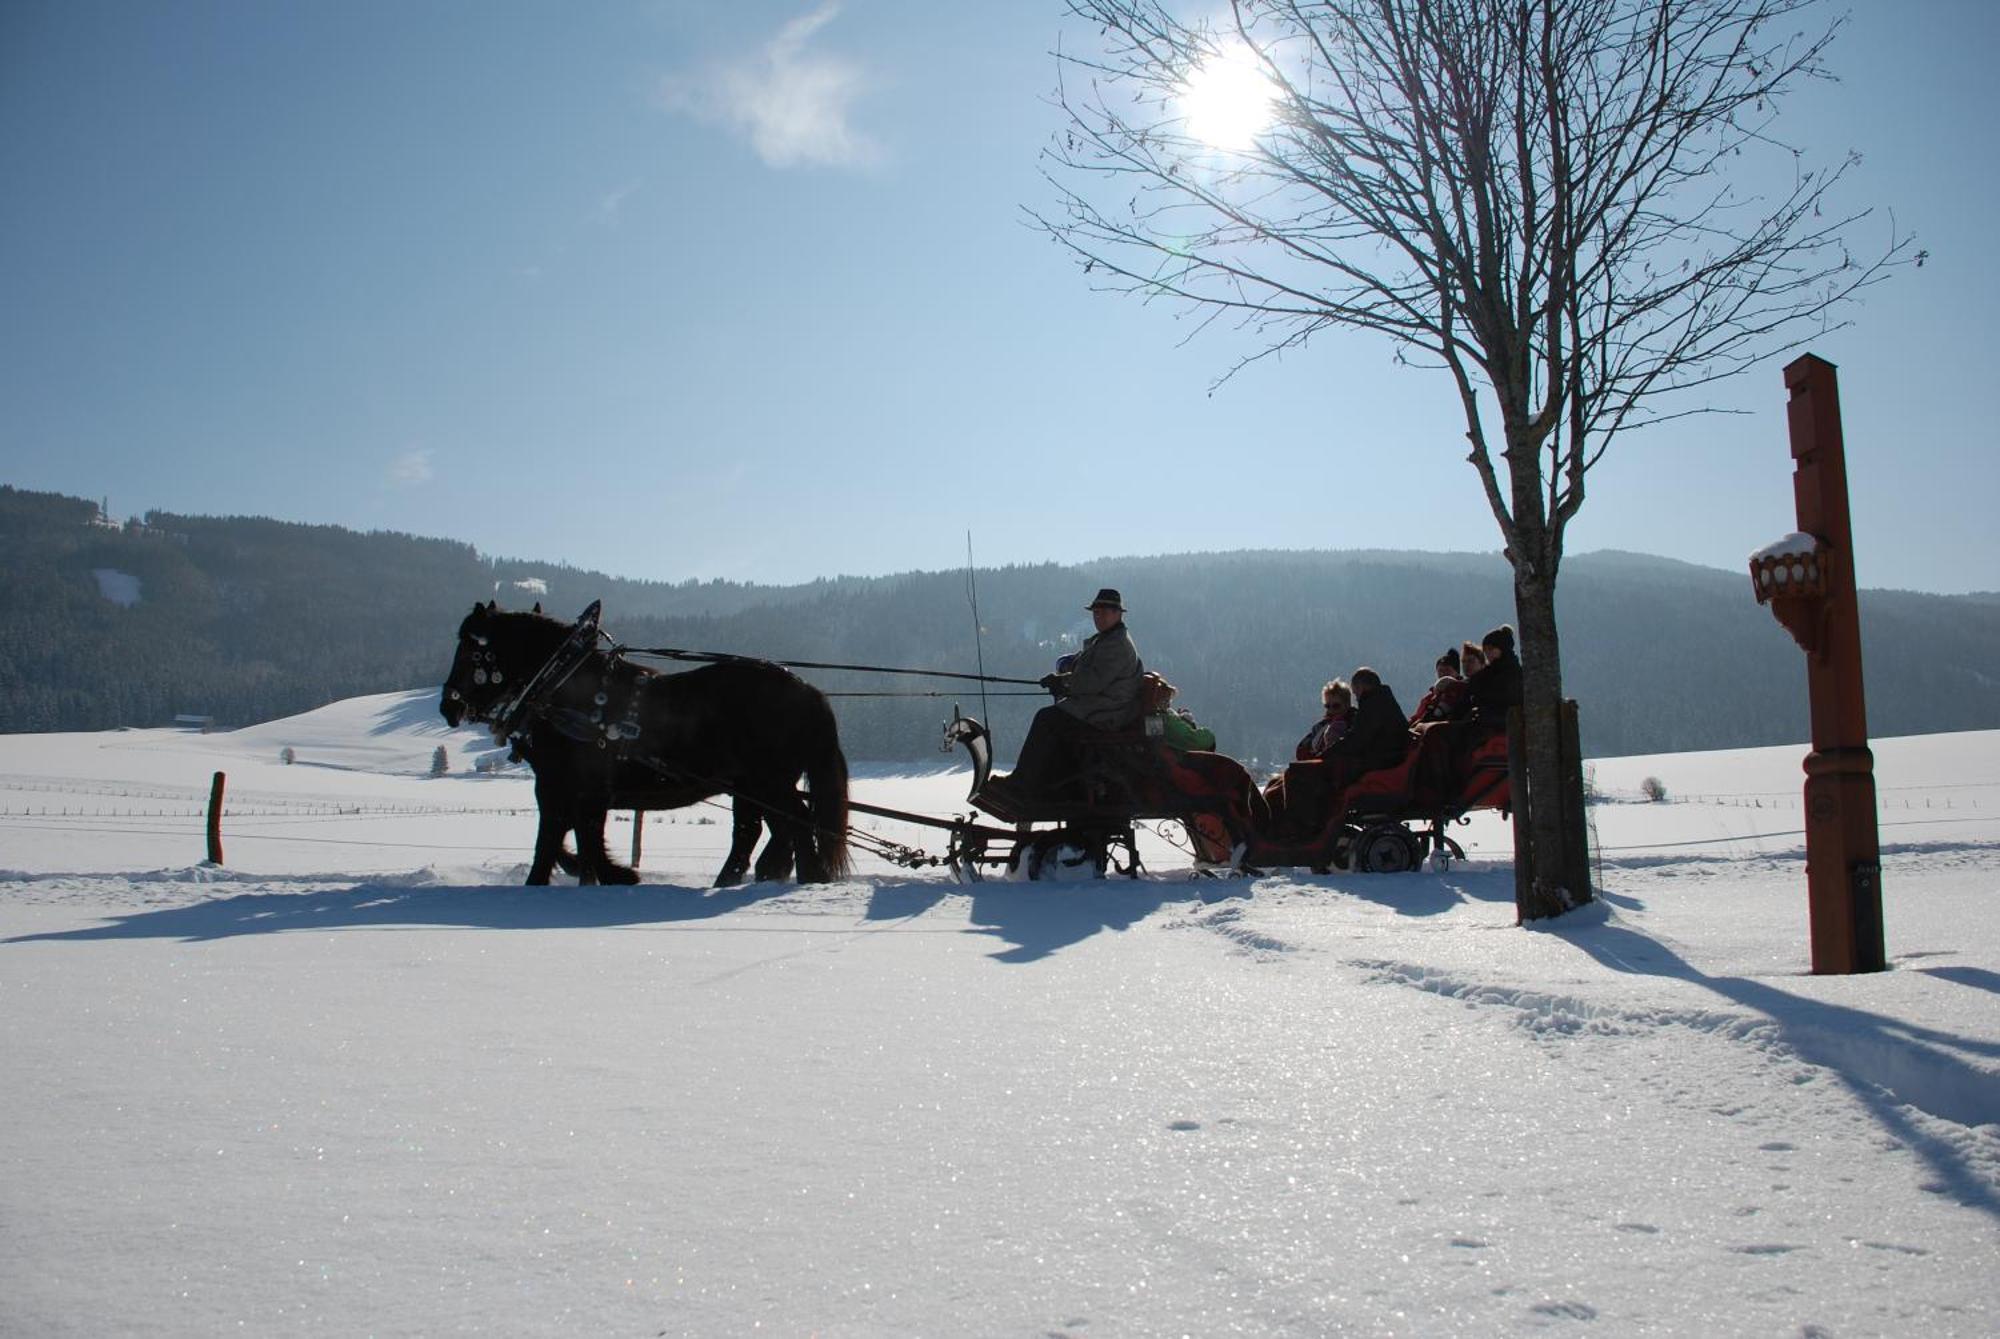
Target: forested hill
column 246, row 620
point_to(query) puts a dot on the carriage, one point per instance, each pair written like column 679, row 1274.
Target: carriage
column 1390, row 820
column 605, row 732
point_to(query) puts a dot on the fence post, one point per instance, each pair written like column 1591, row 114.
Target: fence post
column 638, row 834
column 215, row 820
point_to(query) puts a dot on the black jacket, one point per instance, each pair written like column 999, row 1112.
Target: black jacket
column 1493, row 689
column 1380, row 735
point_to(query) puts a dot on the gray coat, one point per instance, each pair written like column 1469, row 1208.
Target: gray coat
column 1102, row 686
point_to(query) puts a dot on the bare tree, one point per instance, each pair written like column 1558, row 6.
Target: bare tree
column 1539, row 197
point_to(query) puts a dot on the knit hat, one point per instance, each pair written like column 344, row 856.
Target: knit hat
column 1502, row 637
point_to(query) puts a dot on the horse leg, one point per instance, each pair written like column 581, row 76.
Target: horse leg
column 796, row 828
column 745, row 828
column 554, row 816
column 594, row 861
column 776, row 862
column 550, row 830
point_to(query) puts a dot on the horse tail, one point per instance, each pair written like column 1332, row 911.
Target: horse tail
column 826, row 774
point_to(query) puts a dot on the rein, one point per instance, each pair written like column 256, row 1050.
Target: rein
column 724, row 657
column 922, row 693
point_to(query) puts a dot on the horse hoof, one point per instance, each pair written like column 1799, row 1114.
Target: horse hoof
column 621, row 874
column 729, row 878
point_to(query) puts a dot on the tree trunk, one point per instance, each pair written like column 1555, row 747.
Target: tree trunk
column 1541, row 719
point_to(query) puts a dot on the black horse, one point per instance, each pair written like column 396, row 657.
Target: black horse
column 602, row 733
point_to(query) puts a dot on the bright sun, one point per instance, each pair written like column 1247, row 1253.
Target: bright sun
column 1228, row 100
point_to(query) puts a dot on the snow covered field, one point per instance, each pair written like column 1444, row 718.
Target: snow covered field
column 356, row 1081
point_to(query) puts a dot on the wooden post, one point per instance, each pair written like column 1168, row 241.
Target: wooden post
column 638, row 835
column 1813, row 595
column 1576, row 833
column 215, row 820
column 1517, row 795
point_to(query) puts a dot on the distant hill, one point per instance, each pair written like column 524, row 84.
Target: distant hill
column 245, row 620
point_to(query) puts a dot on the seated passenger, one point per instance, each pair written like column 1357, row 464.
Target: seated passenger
column 1380, row 735
column 1496, row 686
column 1099, row 692
column 1178, row 728
column 1337, row 700
column 1309, row 791
column 1492, row 688
column 1471, row 659
column 1447, row 696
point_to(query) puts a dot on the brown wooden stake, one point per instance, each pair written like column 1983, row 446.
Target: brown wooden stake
column 638, row 834
column 215, row 820
column 1576, row 830
column 1517, row 797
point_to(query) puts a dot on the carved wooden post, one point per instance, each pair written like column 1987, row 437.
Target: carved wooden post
column 1807, row 578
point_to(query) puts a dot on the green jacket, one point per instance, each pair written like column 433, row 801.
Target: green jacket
column 1182, row 734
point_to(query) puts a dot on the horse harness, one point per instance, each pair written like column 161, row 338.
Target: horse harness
column 612, row 720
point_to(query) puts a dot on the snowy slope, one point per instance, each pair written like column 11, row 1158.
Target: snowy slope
column 357, row 1081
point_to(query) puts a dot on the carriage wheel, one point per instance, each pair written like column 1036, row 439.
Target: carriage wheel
column 1387, row 848
column 1064, row 853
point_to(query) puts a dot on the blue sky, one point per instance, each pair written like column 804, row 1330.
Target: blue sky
column 679, row 289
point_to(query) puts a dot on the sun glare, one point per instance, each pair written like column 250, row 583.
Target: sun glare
column 1228, row 100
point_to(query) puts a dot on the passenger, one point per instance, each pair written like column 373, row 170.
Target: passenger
column 1380, row 735
column 1471, row 660
column 1337, row 699
column 1497, row 684
column 1225, row 797
column 1178, row 728
column 1447, row 696
column 1377, row 736
column 1099, row 691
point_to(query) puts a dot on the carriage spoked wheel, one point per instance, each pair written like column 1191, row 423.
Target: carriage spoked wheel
column 1386, row 848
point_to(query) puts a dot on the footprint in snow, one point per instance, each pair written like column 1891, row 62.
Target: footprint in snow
column 1566, row 1310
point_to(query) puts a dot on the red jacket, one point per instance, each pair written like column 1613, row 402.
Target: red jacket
column 1444, row 702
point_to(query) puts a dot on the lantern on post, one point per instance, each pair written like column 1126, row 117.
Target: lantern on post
column 1807, row 581
column 1790, row 577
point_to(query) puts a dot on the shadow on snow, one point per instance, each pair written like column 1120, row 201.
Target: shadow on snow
column 1890, row 1065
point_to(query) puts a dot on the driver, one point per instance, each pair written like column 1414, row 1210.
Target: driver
column 1099, row 691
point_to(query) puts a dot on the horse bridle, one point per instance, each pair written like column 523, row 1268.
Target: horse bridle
column 505, row 714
